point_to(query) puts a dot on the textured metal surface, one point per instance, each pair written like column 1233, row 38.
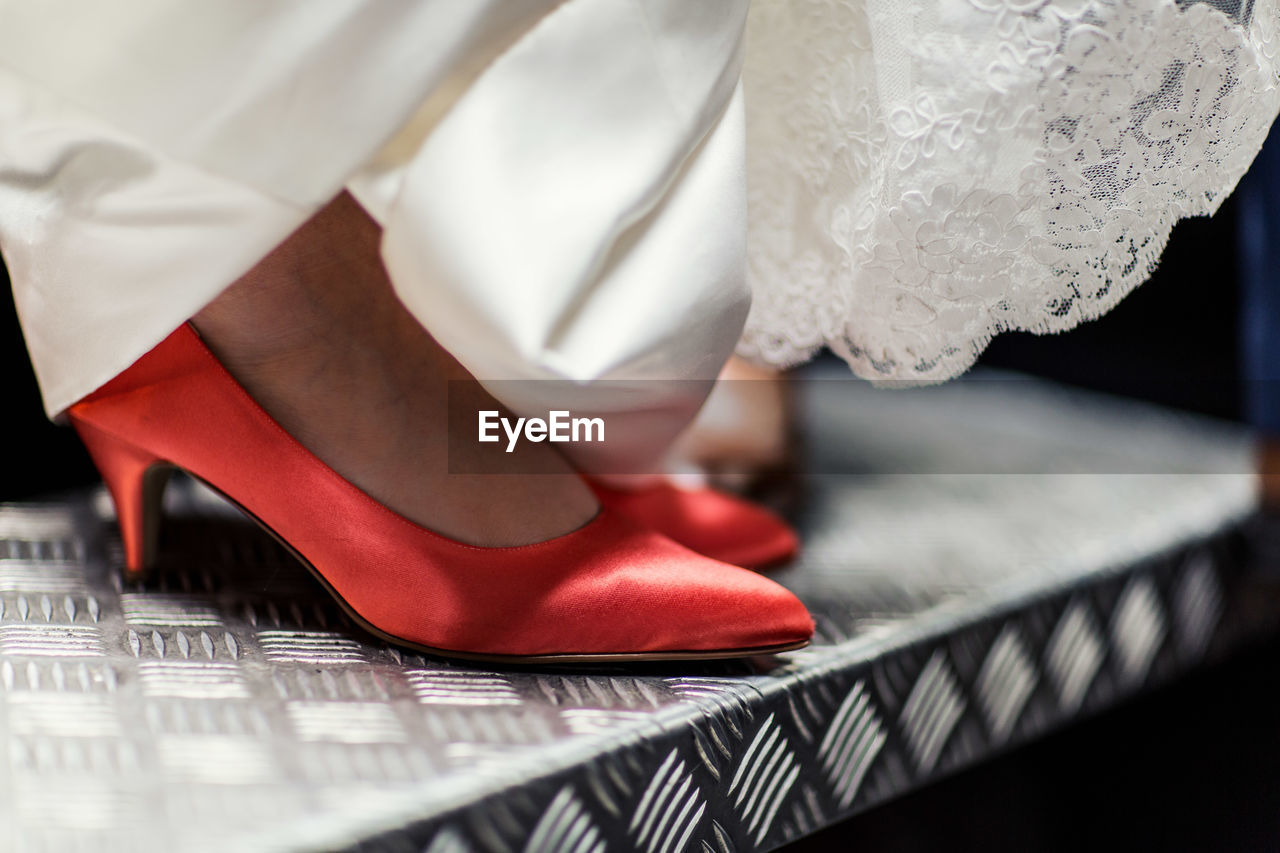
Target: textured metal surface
column 227, row 704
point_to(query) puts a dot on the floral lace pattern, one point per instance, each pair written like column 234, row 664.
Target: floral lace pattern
column 925, row 174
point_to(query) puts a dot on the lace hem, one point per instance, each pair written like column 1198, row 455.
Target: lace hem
column 925, row 174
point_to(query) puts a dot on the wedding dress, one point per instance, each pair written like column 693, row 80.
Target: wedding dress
column 924, row 174
column 585, row 189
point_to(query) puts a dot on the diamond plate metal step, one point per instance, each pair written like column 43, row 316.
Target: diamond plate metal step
column 980, row 572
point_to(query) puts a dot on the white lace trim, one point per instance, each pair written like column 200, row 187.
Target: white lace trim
column 925, row 174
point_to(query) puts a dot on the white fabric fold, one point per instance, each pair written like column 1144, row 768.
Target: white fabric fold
column 535, row 244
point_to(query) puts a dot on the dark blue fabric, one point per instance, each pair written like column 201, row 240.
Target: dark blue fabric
column 1258, row 238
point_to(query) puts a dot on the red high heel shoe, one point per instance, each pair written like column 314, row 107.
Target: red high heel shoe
column 715, row 524
column 607, row 591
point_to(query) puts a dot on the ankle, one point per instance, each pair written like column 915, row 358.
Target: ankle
column 309, row 292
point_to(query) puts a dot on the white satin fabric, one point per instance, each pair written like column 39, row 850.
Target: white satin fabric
column 561, row 184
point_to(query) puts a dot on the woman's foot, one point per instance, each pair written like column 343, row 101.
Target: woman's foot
column 318, row 338
column 341, row 372
column 609, row 590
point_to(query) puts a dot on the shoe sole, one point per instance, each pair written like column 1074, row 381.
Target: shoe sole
column 559, row 658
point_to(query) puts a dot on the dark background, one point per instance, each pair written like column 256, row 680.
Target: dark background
column 39, row 458
column 1172, row 341
column 1193, row 767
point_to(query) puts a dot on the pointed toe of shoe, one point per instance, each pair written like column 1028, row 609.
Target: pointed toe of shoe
column 612, row 590
column 706, row 605
column 768, row 616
